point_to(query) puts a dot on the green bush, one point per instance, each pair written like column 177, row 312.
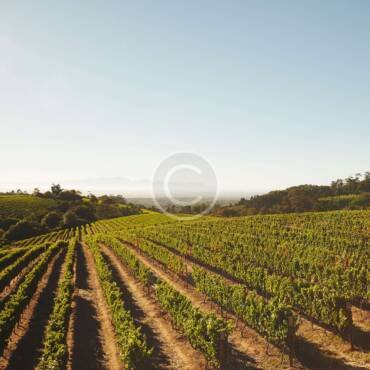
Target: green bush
column 51, row 220
column 22, row 230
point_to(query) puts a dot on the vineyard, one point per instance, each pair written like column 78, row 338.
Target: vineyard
column 149, row 292
column 23, row 205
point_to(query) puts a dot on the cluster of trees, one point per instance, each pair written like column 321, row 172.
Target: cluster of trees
column 351, row 193
column 71, row 209
column 195, row 209
column 360, row 183
column 189, row 209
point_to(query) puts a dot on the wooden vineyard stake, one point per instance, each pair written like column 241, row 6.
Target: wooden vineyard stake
column 350, row 328
column 291, row 334
column 222, row 348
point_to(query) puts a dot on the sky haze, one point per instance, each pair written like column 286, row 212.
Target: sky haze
column 271, row 94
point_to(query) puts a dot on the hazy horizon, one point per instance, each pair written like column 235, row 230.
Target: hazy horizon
column 119, row 185
column 131, row 188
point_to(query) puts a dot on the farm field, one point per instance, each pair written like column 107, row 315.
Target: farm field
column 151, row 292
column 23, row 205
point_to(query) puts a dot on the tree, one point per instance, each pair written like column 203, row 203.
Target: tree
column 70, row 219
column 106, row 199
column 338, row 186
column 69, row 196
column 300, row 201
column 21, row 230
column 352, row 183
column 56, row 189
column 365, row 184
column 85, row 212
column 107, row 211
column 36, row 192
column 120, row 199
column 242, row 201
column 228, row 212
column 93, row 198
column 362, row 201
column 7, row 222
column 130, row 209
column 51, row 220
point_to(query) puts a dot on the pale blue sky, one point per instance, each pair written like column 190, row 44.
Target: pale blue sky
column 271, row 93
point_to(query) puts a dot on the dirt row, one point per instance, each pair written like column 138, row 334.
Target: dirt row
column 91, row 338
column 87, row 341
column 316, row 347
column 249, row 349
column 315, row 342
column 362, row 320
column 71, row 322
column 92, row 317
column 17, row 279
column 87, row 330
column 25, row 344
column 170, row 349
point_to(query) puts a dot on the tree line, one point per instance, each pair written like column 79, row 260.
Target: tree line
column 71, row 209
column 350, row 193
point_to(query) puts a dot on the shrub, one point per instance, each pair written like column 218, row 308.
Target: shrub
column 7, row 222
column 85, row 212
column 70, row 219
column 22, row 230
column 51, row 220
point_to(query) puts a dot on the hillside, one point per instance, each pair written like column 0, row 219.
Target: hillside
column 23, row 205
column 262, row 292
column 349, row 193
column 24, row 215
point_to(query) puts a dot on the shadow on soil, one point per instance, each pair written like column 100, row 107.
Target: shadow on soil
column 361, row 338
column 28, row 351
column 87, row 351
column 312, row 358
column 237, row 360
column 159, row 360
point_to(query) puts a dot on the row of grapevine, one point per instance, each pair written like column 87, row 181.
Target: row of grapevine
column 116, row 224
column 269, row 318
column 10, row 313
column 131, row 343
column 10, row 256
column 323, row 304
column 204, row 331
column 54, row 354
column 161, row 255
column 338, row 231
column 64, row 234
column 278, row 254
column 273, row 320
column 12, row 270
column 141, row 272
column 327, row 249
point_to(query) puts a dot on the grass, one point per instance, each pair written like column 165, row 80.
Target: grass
column 19, row 205
column 345, row 197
